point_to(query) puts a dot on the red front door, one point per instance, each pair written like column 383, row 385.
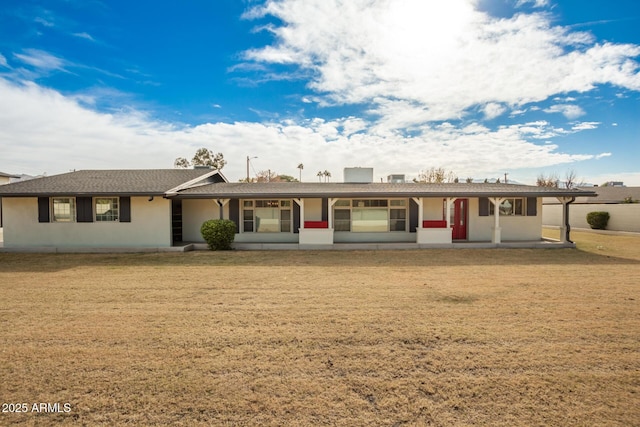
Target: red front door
column 458, row 219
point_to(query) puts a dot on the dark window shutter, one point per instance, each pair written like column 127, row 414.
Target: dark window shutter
column 413, row 216
column 125, row 209
column 296, row 217
column 532, row 206
column 234, row 212
column 325, row 209
column 84, row 209
column 43, row 209
column 483, row 204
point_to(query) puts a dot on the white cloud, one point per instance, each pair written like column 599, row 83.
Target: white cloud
column 3, row 61
column 44, row 22
column 585, row 126
column 41, row 60
column 437, row 60
column 493, row 110
column 569, row 111
column 71, row 136
column 534, row 3
column 85, row 36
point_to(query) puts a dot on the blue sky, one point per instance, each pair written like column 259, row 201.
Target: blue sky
column 478, row 87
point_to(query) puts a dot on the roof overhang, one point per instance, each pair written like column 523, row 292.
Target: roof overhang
column 291, row 190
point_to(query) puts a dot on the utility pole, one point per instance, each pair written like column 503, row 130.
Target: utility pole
column 248, row 160
column 505, row 177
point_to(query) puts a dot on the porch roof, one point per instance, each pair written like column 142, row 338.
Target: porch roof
column 350, row 190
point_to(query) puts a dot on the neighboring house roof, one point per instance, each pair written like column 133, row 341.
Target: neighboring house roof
column 605, row 195
column 612, row 194
column 298, row 189
column 8, row 175
column 111, row 182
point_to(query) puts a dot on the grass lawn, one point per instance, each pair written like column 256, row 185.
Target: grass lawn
column 429, row 337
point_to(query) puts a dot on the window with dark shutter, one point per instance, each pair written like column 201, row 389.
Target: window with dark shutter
column 296, row 218
column 325, row 209
column 125, row 209
column 483, row 204
column 413, row 215
column 234, row 212
column 43, row 209
column 532, row 206
column 84, row 209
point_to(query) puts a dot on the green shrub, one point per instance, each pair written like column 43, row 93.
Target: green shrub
column 218, row 233
column 598, row 220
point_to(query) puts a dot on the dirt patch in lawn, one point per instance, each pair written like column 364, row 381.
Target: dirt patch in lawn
column 451, row 337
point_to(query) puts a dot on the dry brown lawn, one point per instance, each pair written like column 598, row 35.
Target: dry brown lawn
column 430, row 337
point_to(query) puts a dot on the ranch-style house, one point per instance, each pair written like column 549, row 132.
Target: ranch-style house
column 164, row 209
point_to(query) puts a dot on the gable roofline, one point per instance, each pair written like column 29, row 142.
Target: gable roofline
column 114, row 182
column 199, row 181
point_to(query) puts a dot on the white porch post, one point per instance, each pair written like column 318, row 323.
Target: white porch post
column 300, row 203
column 450, row 200
column 330, row 204
column 221, row 204
column 565, row 228
column 496, row 235
column 420, row 202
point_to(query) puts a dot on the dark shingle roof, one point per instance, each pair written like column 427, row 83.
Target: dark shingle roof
column 106, row 182
column 298, row 189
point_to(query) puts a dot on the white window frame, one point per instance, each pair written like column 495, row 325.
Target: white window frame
column 360, row 205
column 513, row 204
column 72, row 209
column 96, row 214
column 251, row 205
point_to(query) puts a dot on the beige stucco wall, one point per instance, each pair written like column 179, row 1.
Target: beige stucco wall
column 312, row 209
column 516, row 228
column 194, row 213
column 432, row 209
column 623, row 217
column 150, row 226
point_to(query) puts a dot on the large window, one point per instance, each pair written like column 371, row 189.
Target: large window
column 370, row 215
column 510, row 207
column 63, row 209
column 266, row 216
column 106, row 209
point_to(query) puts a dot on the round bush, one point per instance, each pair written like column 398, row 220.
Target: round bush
column 598, row 220
column 218, row 233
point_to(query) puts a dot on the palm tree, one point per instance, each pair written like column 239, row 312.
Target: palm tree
column 327, row 175
column 320, row 175
column 300, row 166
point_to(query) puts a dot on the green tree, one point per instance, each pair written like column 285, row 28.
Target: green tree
column 206, row 157
column 181, row 163
column 202, row 157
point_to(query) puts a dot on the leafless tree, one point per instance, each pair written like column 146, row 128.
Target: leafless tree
column 436, row 176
